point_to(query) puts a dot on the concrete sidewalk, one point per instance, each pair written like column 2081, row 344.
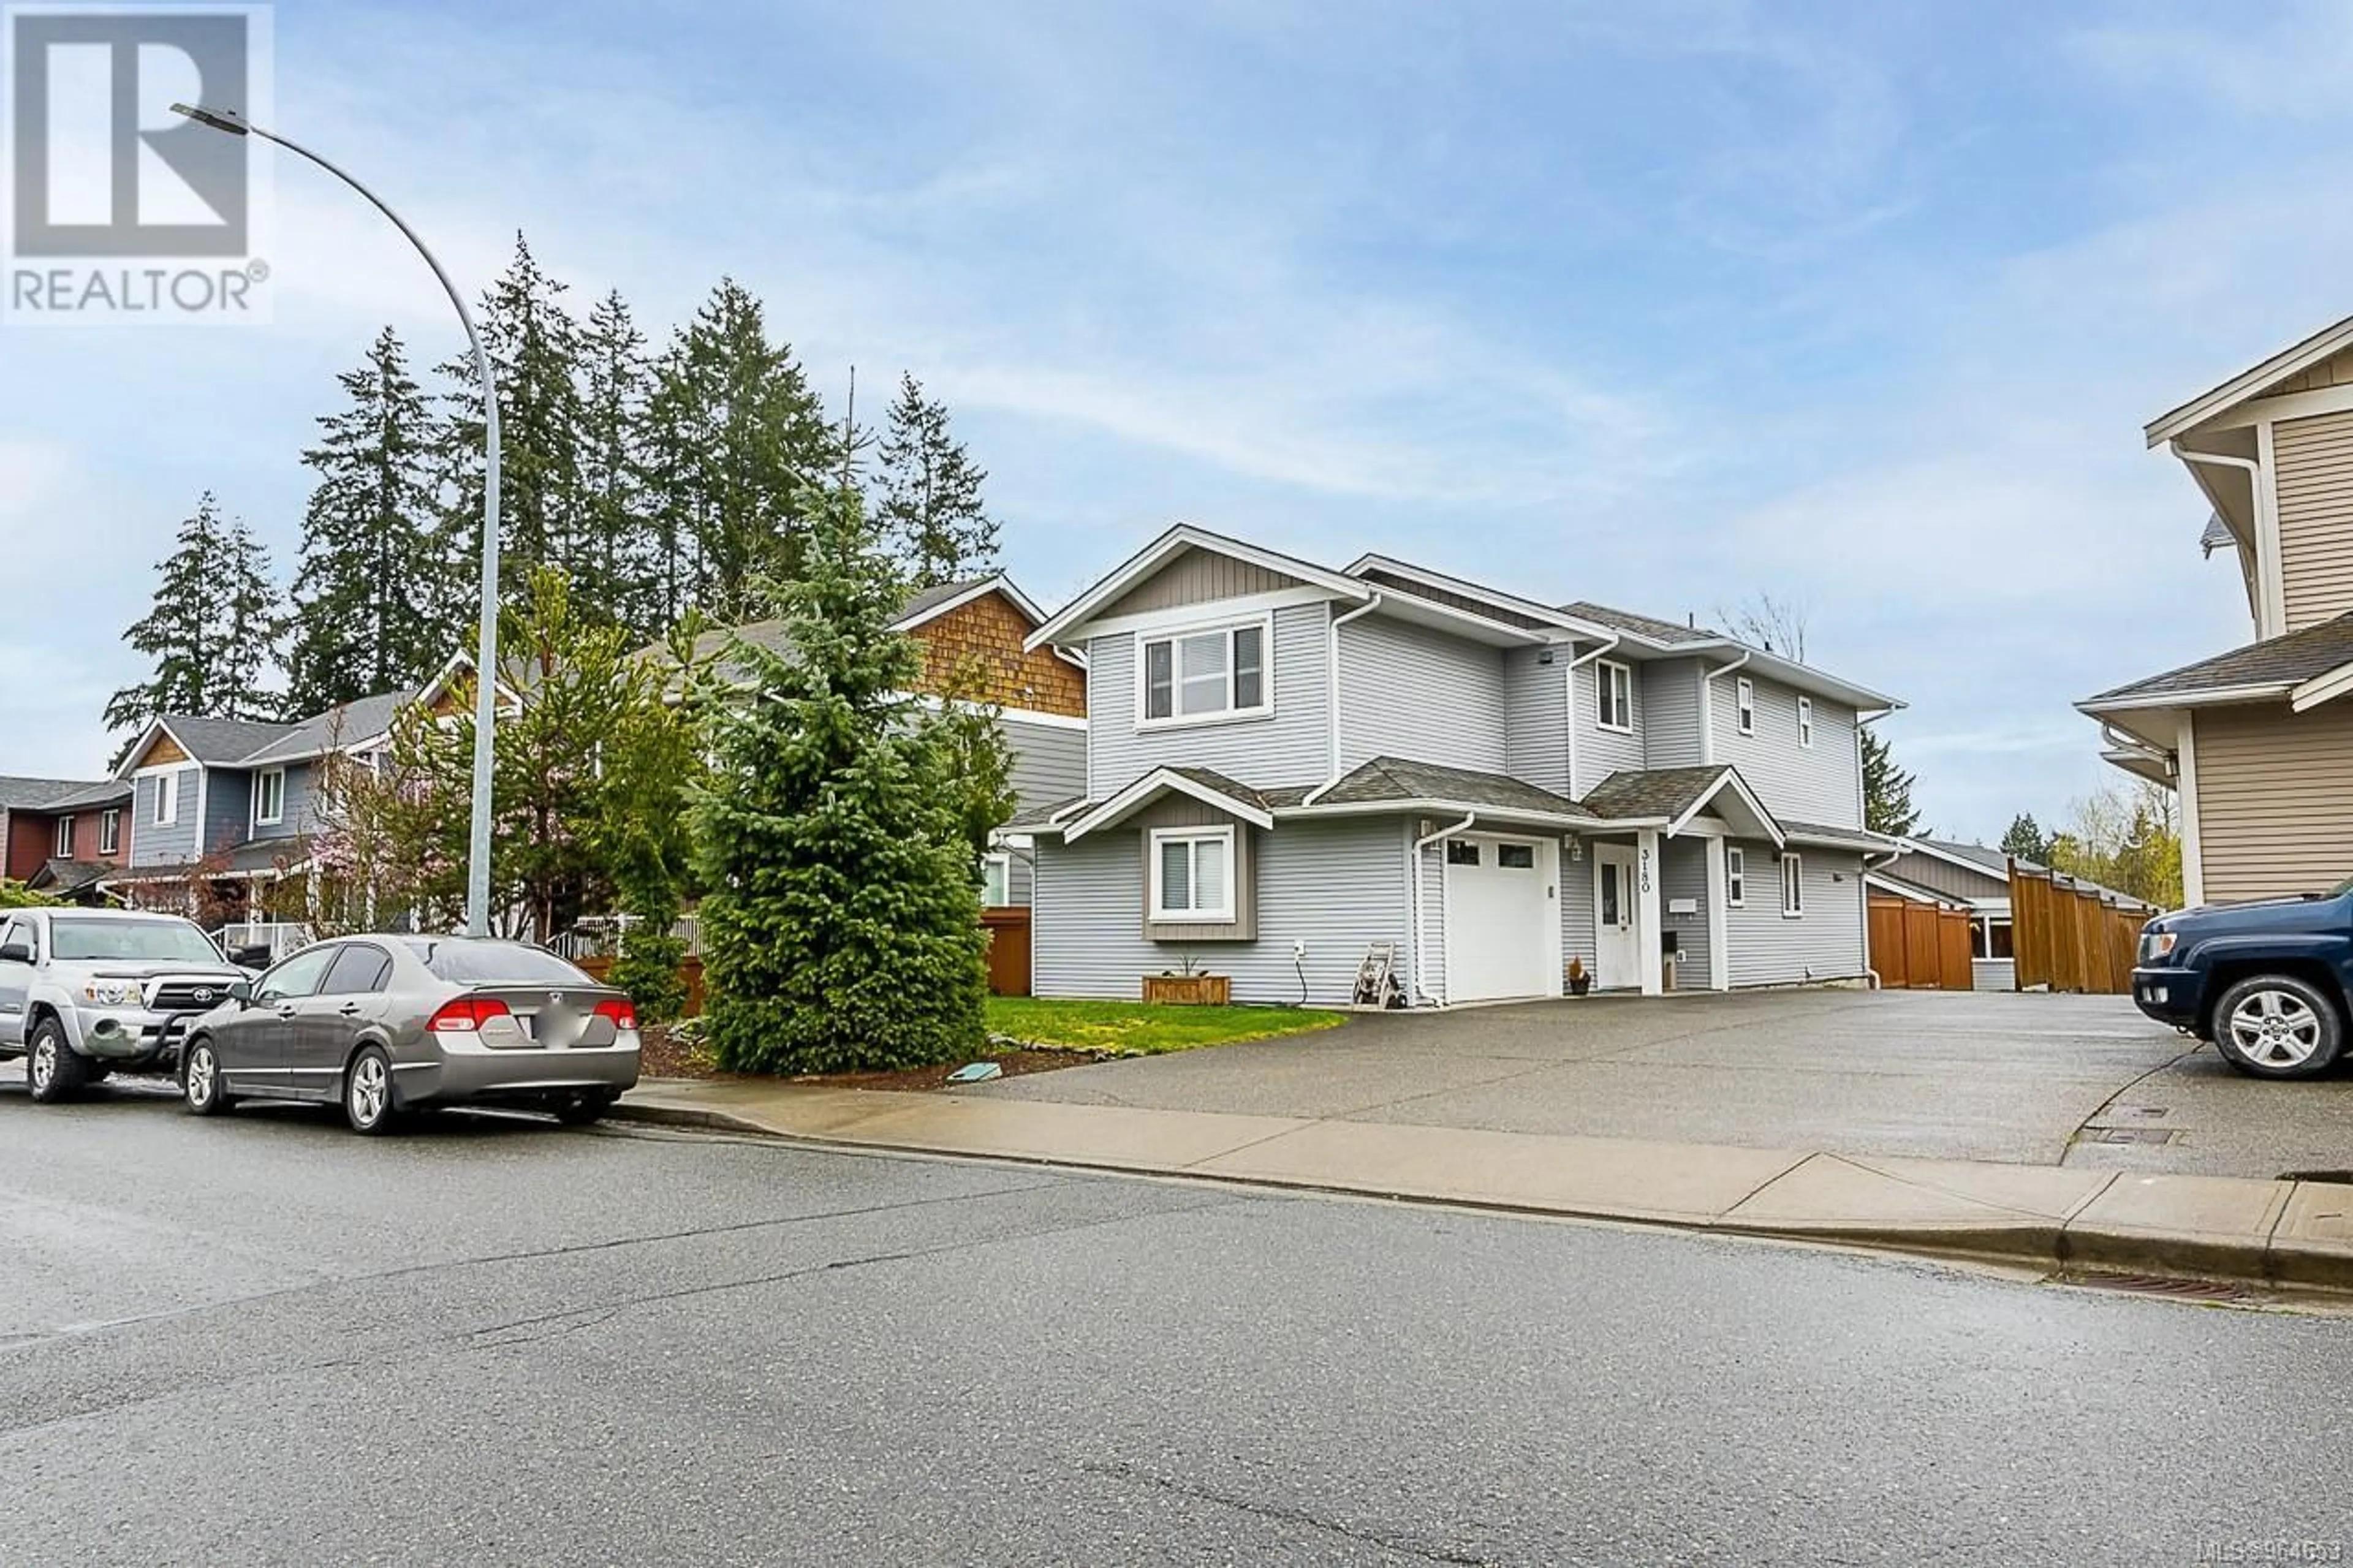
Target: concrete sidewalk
column 2267, row 1231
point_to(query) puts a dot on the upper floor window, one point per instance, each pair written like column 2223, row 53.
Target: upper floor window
column 1192, row 874
column 1213, row 674
column 167, row 799
column 64, row 837
column 1793, row 887
column 1804, row 721
column 1617, row 696
column 109, row 830
column 1745, row 704
column 269, row 797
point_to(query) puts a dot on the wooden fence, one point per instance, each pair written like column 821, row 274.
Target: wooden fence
column 1008, row 960
column 691, row 971
column 1920, row 947
column 2071, row 937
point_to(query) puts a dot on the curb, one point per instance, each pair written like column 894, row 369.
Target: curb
column 2066, row 1248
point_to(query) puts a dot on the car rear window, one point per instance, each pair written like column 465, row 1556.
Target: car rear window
column 496, row 963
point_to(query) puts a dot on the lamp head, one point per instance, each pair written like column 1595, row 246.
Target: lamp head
column 219, row 119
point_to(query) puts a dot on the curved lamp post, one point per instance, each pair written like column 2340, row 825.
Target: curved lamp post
column 478, row 854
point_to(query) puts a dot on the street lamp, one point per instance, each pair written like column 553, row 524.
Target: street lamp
column 478, row 851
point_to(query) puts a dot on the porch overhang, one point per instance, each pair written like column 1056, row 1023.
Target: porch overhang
column 1237, row 800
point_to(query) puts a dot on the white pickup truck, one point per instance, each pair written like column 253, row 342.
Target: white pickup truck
column 84, row 993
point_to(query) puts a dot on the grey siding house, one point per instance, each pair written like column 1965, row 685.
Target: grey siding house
column 1292, row 771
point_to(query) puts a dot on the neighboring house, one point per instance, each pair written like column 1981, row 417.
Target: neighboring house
column 2259, row 741
column 976, row 641
column 1977, row 878
column 60, row 837
column 1287, row 765
column 225, row 809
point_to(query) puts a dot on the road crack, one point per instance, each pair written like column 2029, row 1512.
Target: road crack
column 1384, row 1540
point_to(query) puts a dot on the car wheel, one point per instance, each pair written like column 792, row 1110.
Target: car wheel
column 367, row 1093
column 2276, row 1025
column 201, row 1084
column 583, row 1111
column 54, row 1069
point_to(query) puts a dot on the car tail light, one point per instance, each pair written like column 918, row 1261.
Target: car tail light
column 621, row 1010
column 467, row 1014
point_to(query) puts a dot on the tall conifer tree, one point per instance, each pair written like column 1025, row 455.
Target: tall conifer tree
column 930, row 507
column 212, row 633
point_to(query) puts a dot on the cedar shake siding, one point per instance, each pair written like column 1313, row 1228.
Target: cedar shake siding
column 2275, row 800
column 2315, row 459
column 982, row 641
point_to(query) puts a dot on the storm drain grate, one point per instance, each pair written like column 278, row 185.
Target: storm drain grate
column 2131, row 1134
column 2158, row 1285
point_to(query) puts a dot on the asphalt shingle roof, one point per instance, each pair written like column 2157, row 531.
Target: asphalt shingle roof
column 2282, row 662
column 1653, row 792
column 369, row 716
column 1641, row 626
column 1396, row 779
column 929, row 597
column 39, row 794
column 1833, row 830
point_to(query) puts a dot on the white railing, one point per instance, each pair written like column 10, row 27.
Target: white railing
column 280, row 937
column 599, row 936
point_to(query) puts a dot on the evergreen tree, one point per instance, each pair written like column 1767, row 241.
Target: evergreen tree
column 616, row 563
column 370, row 597
column 1886, row 790
column 841, row 930
column 931, row 509
column 2026, row 840
column 672, row 459
column 182, row 632
column 252, row 624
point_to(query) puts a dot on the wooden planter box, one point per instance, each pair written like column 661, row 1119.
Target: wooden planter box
column 1189, row 990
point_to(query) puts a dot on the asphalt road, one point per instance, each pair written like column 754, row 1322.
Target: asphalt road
column 263, row 1341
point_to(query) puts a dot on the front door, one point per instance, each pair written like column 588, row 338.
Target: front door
column 1617, row 949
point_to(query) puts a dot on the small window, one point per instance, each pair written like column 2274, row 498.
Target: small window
column 1793, row 887
column 1804, row 721
column 358, row 971
column 1736, row 878
column 1461, row 852
column 1192, row 875
column 64, row 837
column 167, row 799
column 1617, row 696
column 1204, row 675
column 995, row 881
column 1516, row 856
column 1745, row 698
column 1999, row 938
column 269, row 797
column 109, row 830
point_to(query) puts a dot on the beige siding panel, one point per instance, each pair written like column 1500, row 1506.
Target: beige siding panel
column 1198, row 577
column 2335, row 371
column 2315, row 517
column 2274, row 811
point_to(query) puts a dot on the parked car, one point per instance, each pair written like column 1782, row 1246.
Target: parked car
column 384, row 1024
column 85, row 992
column 2270, row 984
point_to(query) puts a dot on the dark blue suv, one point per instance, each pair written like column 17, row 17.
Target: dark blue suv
column 2270, row 984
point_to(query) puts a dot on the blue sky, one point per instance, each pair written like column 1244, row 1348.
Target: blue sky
column 1659, row 305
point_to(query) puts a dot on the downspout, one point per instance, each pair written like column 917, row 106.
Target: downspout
column 1332, row 688
column 2266, row 529
column 1708, row 689
column 1568, row 701
column 1421, row 982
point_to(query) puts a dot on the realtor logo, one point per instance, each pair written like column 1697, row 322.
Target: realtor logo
column 118, row 208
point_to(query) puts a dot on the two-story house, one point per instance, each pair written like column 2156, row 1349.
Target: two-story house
column 1289, row 767
column 60, row 837
column 2256, row 741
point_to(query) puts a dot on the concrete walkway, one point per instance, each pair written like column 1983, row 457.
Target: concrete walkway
column 2269, row 1232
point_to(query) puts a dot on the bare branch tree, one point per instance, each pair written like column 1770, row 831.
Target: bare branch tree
column 1775, row 624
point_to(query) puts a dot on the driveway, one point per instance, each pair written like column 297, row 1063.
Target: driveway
column 2032, row 1079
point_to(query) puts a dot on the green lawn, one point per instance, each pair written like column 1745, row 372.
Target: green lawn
column 1137, row 1028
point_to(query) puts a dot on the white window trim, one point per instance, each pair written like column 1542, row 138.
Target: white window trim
column 1003, row 862
column 1602, row 672
column 1172, row 634
column 1793, row 881
column 62, row 842
column 1806, row 722
column 1736, row 878
column 167, row 798
column 109, row 830
column 278, row 816
column 1743, row 705
column 1162, row 915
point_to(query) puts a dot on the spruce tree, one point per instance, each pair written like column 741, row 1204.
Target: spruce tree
column 616, row 563
column 372, row 597
column 1886, row 790
column 2026, row 840
column 930, row 507
column 842, row 929
column 252, row 623
column 180, row 635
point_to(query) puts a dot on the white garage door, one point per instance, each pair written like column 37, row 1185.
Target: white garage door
column 1501, row 920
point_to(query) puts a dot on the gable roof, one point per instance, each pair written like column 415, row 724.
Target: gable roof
column 930, row 604
column 1204, row 785
column 248, row 743
column 1183, row 536
column 1647, row 626
column 45, row 795
column 2250, row 383
column 1401, row 780
column 2276, row 668
column 1679, row 794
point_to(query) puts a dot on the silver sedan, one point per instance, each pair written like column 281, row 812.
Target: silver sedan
column 381, row 1023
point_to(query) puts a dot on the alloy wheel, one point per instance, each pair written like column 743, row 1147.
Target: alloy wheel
column 371, row 1085
column 2274, row 1029
column 201, row 1074
column 42, row 1070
